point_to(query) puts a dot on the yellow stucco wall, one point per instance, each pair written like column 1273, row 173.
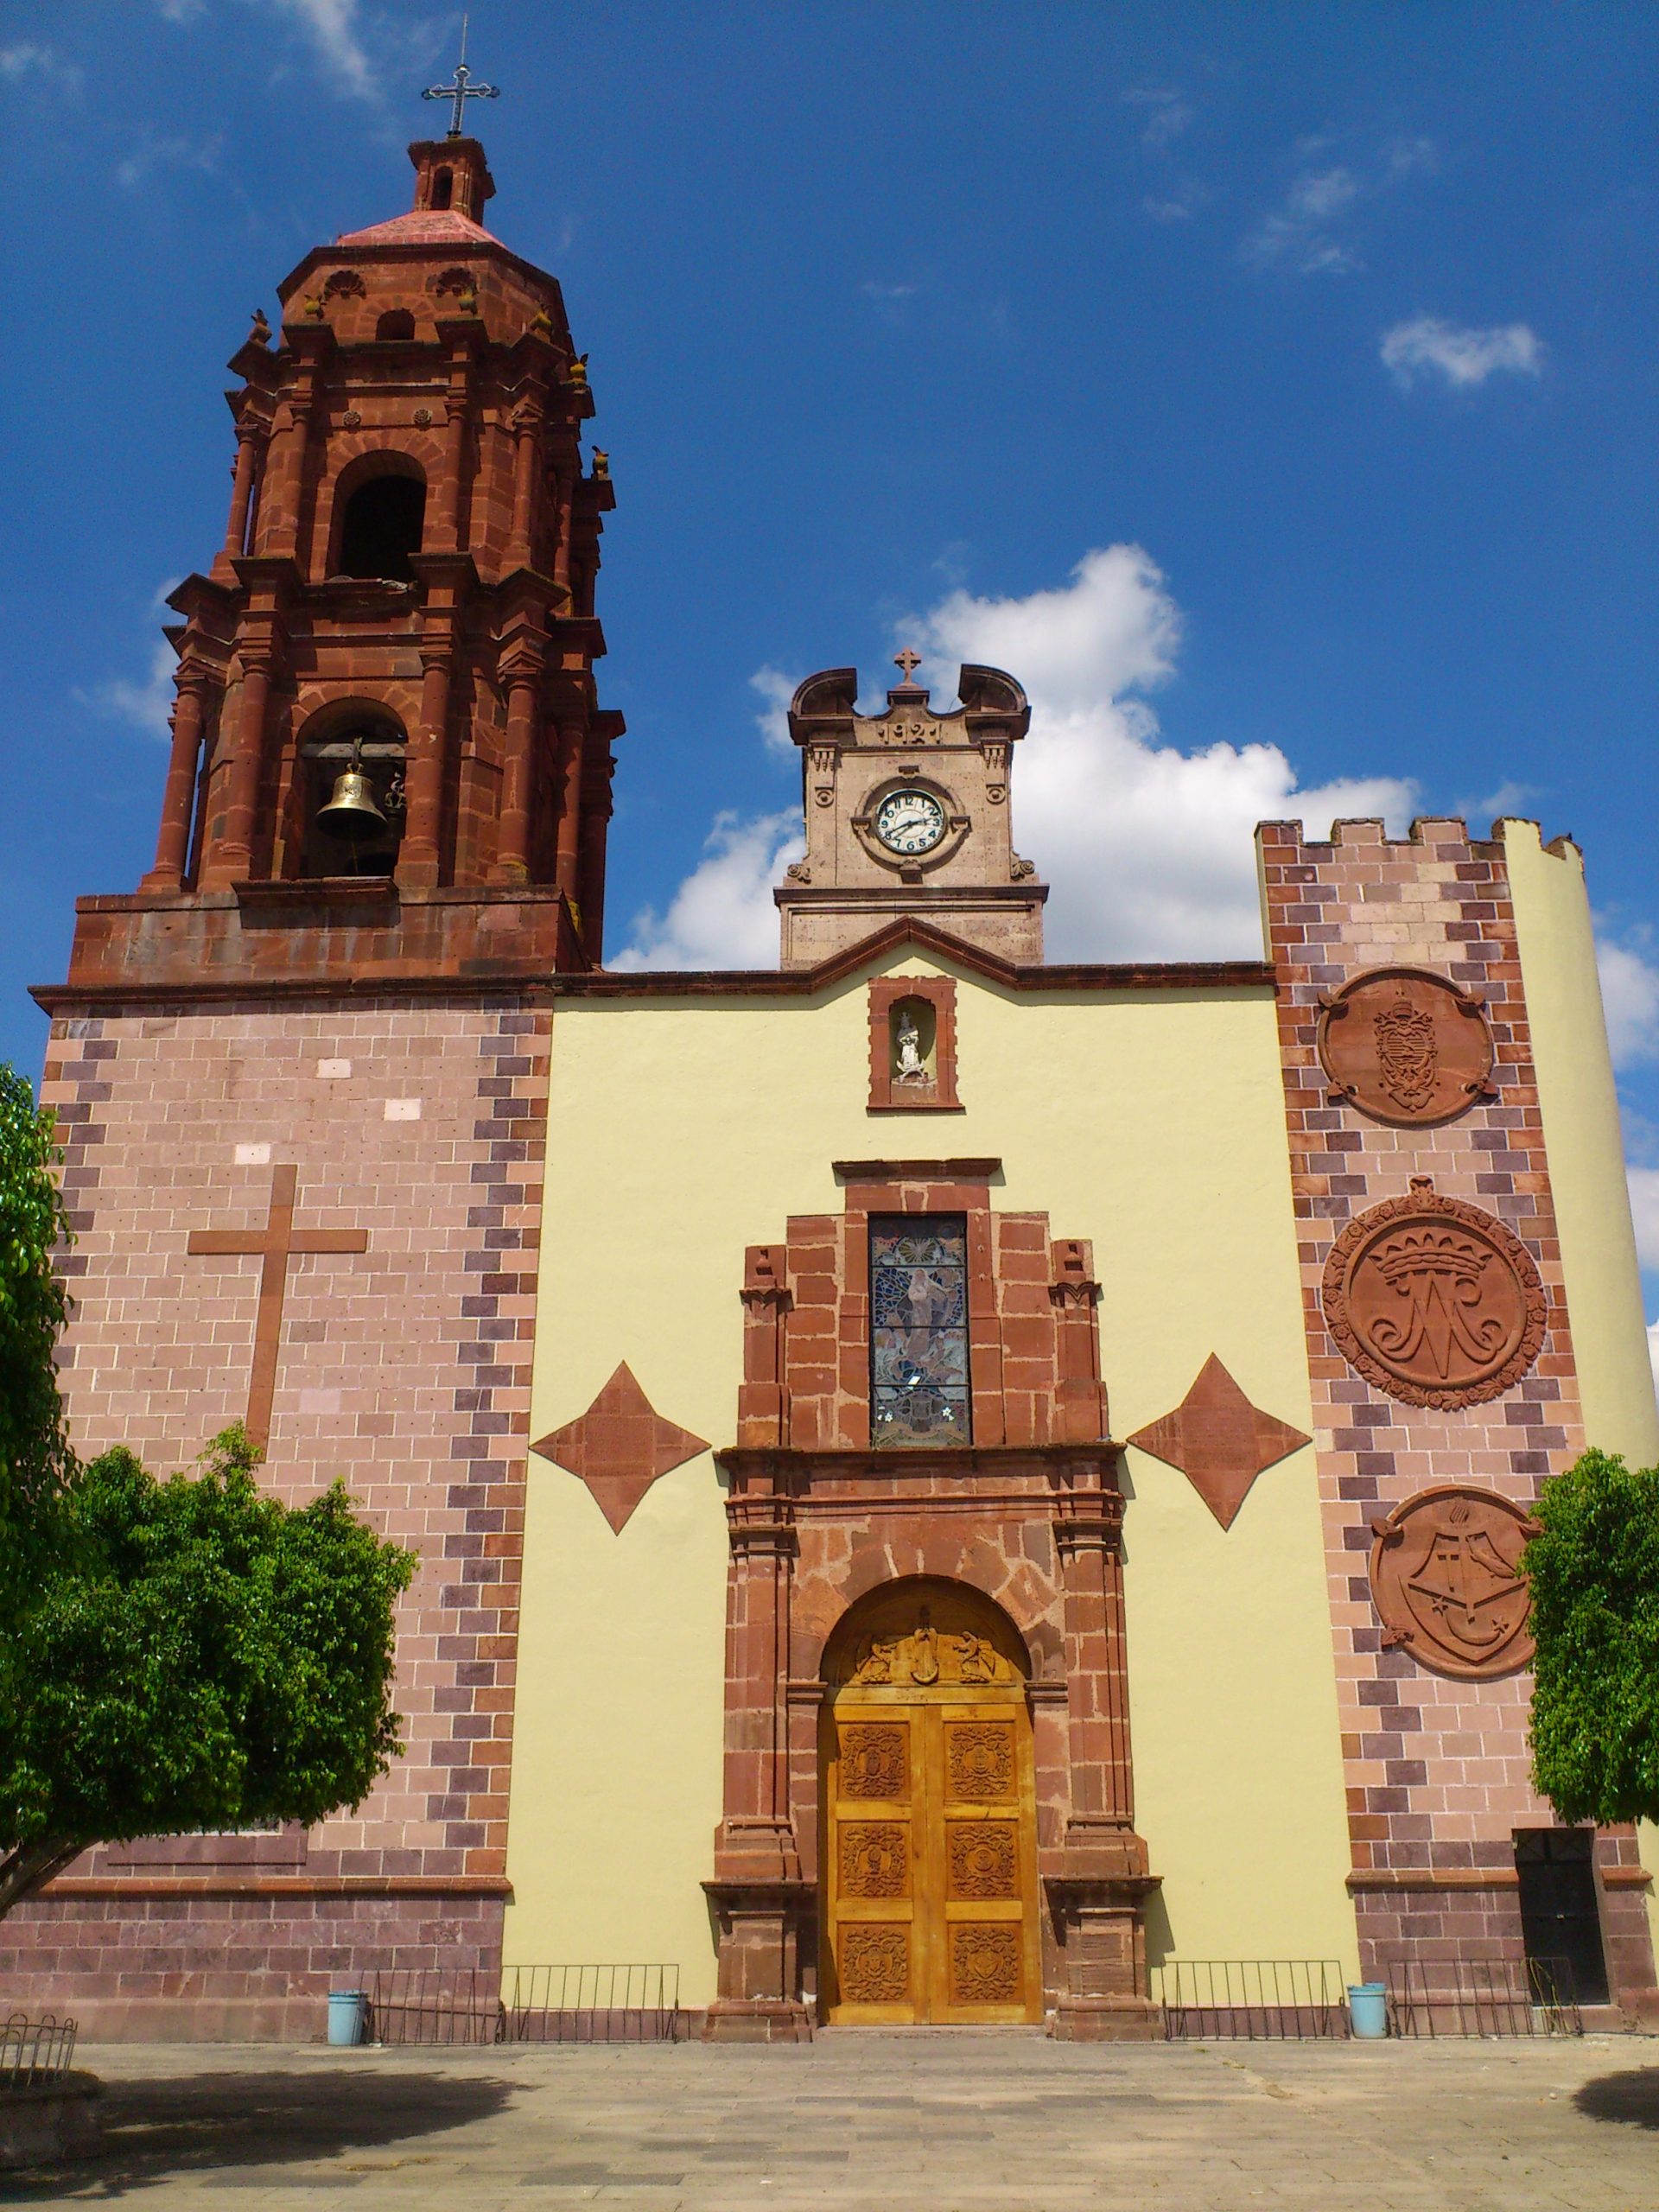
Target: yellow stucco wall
column 1586, row 1166
column 682, row 1129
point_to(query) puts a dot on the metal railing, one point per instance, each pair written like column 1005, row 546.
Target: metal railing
column 414, row 2004
column 1474, row 1996
column 36, row 2052
column 1251, row 2000
column 594, row 2004
column 548, row 2004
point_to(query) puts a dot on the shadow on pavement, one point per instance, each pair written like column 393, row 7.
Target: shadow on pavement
column 156, row 2130
column 1633, row 2098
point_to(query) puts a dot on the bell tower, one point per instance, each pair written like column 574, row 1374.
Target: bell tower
column 300, row 1073
column 405, row 598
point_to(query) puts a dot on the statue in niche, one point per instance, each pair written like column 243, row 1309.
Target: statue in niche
column 907, row 1043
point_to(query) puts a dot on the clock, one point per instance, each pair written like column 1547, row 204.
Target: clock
column 910, row 821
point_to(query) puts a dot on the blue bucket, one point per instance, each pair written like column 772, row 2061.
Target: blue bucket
column 1368, row 2008
column 347, row 2011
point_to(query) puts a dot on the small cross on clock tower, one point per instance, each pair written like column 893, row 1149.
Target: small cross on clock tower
column 907, row 813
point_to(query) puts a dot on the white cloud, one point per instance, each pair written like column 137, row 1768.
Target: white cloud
column 1297, row 235
column 334, row 28
column 1653, row 1349
column 1629, row 997
column 1306, row 233
column 1644, row 1212
column 1167, row 115
column 1149, row 850
column 1179, row 205
column 181, row 11
column 772, row 721
column 722, row 915
column 1464, row 356
column 145, row 705
column 155, row 153
column 25, row 63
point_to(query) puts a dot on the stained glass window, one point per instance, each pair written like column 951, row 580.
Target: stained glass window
column 918, row 1330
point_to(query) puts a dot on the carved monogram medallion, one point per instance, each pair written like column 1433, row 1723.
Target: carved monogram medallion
column 1446, row 1583
column 1407, row 1046
column 1435, row 1301
column 983, row 1859
column 874, row 1760
column 979, row 1759
column 874, row 1965
column 875, row 1858
column 984, row 1965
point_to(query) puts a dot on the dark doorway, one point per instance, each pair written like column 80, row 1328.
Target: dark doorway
column 382, row 528
column 1559, row 1914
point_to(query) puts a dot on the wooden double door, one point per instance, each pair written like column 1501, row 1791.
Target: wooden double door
column 930, row 1875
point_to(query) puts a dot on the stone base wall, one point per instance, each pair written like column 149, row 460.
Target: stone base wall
column 402, row 1367
column 241, row 1968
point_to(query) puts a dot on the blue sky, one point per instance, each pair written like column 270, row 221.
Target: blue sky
column 1273, row 388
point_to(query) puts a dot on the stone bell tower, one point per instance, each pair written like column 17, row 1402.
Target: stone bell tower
column 301, row 1074
column 907, row 813
column 406, row 583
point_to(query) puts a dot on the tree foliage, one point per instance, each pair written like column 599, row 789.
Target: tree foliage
column 1594, row 1573
column 35, row 1458
column 195, row 1655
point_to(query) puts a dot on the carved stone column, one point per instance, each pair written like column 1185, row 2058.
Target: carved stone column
column 195, row 683
column 527, row 430
column 760, row 1899
column 251, row 432
column 762, row 1400
column 523, row 674
column 1080, row 1406
column 1095, row 1894
column 419, row 855
column 229, row 857
column 568, row 862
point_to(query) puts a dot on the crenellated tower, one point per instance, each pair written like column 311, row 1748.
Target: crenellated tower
column 406, row 586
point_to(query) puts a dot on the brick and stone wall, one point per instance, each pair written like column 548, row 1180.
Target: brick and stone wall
column 1437, row 1767
column 404, row 1368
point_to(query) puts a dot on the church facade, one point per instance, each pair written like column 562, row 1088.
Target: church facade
column 947, row 1483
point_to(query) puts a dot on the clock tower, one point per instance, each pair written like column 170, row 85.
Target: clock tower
column 907, row 813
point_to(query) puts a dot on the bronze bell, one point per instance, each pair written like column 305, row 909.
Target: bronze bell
column 351, row 812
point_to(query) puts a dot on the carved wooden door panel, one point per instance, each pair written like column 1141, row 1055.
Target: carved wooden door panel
column 930, row 1865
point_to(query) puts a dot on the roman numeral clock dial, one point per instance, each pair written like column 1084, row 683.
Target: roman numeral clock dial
column 910, row 822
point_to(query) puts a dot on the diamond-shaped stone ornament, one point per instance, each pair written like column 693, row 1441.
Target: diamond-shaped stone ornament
column 1219, row 1440
column 620, row 1447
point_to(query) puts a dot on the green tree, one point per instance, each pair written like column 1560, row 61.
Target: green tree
column 35, row 1461
column 195, row 1655
column 1594, row 1571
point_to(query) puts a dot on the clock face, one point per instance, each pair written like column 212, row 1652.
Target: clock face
column 910, row 821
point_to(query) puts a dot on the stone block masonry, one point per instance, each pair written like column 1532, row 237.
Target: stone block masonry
column 1437, row 1767
column 402, row 1369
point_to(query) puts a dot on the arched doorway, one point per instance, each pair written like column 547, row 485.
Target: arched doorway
column 930, row 1834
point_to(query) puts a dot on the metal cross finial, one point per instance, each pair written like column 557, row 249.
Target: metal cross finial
column 909, row 661
column 461, row 90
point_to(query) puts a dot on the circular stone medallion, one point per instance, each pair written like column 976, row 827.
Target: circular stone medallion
column 1435, row 1301
column 1407, row 1046
column 1446, row 1583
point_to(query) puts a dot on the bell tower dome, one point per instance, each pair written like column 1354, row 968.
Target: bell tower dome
column 388, row 756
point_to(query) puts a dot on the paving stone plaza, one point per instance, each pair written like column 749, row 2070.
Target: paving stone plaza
column 958, row 2120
